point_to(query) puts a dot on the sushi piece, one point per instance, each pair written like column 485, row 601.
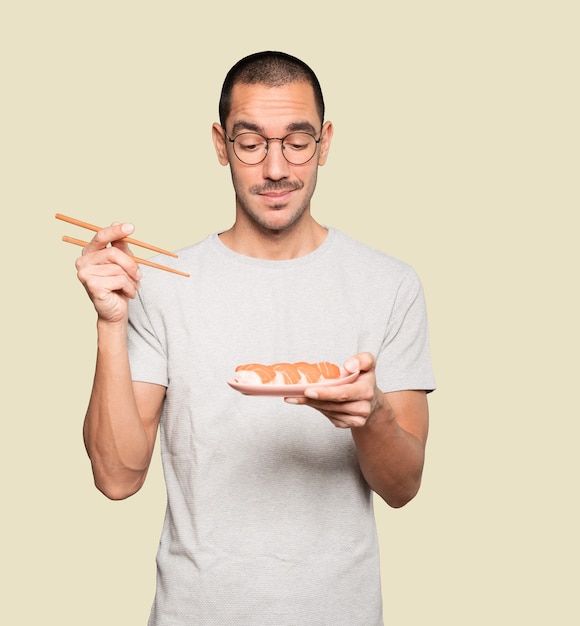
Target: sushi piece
column 308, row 371
column 255, row 374
column 328, row 370
column 287, row 373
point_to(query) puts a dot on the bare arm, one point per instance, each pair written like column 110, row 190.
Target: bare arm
column 389, row 430
column 391, row 445
column 122, row 418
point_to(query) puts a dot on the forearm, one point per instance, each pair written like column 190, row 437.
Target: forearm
column 391, row 458
column 114, row 434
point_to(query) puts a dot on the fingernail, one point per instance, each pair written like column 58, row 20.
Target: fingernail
column 127, row 228
column 139, row 274
column 310, row 393
column 291, row 400
column 352, row 365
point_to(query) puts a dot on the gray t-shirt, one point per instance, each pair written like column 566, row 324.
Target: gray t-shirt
column 269, row 521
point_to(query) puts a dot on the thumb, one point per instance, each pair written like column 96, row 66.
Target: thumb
column 362, row 362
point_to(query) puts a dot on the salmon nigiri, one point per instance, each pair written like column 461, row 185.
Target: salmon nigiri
column 255, row 373
column 328, row 370
column 309, row 371
column 288, row 373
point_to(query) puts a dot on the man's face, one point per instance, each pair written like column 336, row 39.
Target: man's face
column 273, row 194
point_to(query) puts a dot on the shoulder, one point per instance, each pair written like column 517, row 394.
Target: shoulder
column 360, row 255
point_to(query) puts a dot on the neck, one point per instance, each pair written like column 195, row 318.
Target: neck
column 297, row 240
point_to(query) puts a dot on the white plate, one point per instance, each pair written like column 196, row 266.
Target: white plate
column 288, row 391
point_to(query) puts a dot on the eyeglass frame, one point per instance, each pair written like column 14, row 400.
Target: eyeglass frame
column 268, row 140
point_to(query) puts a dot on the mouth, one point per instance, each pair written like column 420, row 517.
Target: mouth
column 277, row 199
column 277, row 195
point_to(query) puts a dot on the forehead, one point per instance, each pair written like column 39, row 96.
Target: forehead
column 270, row 108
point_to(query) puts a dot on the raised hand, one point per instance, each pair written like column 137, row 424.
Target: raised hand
column 109, row 273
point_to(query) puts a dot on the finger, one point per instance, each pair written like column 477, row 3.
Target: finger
column 352, row 365
column 350, row 411
column 338, row 416
column 352, row 414
column 351, row 404
column 117, row 260
column 337, row 423
column 359, row 389
column 100, row 280
column 102, row 271
column 113, row 235
column 361, row 362
column 343, row 419
column 109, row 262
column 351, row 422
column 119, row 284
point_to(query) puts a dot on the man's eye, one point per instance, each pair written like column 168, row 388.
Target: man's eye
column 297, row 143
column 250, row 143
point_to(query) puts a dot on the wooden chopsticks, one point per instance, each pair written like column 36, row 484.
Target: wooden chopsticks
column 141, row 244
column 135, row 242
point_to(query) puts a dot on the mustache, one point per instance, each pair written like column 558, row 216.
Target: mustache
column 276, row 185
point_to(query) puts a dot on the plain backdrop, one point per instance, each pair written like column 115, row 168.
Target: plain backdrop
column 456, row 148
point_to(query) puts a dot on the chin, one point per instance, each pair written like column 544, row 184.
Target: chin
column 276, row 219
column 284, row 224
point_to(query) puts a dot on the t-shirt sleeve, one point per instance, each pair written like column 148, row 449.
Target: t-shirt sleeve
column 404, row 361
column 147, row 356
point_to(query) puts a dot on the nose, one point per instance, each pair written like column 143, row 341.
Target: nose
column 275, row 166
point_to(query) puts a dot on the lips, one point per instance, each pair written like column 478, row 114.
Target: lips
column 278, row 199
column 275, row 195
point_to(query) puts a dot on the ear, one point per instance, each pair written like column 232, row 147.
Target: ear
column 219, row 141
column 326, row 138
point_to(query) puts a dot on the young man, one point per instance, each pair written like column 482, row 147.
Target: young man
column 269, row 518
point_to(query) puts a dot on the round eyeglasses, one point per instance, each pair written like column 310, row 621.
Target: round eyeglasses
column 252, row 148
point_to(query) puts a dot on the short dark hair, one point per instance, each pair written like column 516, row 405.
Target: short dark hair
column 272, row 69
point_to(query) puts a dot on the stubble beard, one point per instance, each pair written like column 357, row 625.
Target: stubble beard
column 244, row 201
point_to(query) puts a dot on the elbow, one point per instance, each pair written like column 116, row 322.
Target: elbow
column 113, row 492
column 398, row 502
column 118, row 490
column 398, row 498
column 117, row 481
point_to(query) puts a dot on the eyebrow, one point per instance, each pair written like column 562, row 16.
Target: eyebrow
column 294, row 127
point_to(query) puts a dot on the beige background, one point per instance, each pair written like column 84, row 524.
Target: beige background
column 456, row 148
